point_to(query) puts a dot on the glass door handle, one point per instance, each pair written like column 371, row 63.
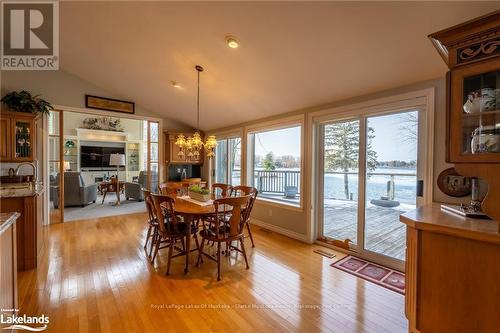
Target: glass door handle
column 420, row 188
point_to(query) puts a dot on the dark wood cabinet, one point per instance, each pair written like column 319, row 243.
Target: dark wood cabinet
column 17, row 136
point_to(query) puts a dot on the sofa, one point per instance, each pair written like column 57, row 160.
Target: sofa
column 76, row 192
column 133, row 190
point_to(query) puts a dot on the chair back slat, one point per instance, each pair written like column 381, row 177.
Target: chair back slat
column 225, row 189
column 232, row 208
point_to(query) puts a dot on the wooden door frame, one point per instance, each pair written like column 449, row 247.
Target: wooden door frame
column 91, row 112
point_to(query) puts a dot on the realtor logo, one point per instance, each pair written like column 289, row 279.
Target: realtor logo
column 30, row 35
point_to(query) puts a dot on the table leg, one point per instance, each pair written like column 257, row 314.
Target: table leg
column 189, row 220
column 118, row 196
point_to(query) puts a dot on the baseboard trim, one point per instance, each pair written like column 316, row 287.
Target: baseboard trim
column 285, row 232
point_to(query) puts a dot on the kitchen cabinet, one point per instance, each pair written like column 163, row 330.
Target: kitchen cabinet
column 17, row 136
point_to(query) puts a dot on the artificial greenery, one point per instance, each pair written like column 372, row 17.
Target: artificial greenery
column 199, row 190
column 25, row 102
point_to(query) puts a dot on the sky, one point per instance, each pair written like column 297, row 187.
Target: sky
column 281, row 142
column 388, row 141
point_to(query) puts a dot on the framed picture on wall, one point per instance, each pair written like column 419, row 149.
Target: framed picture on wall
column 453, row 184
column 109, row 104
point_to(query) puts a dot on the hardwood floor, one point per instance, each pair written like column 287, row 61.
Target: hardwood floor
column 94, row 277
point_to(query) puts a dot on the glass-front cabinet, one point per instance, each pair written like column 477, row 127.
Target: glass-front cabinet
column 475, row 113
column 17, row 136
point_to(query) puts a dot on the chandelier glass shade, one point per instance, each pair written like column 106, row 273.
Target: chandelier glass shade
column 191, row 146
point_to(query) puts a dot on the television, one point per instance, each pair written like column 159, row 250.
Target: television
column 97, row 157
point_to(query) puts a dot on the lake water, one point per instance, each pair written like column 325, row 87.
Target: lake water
column 376, row 186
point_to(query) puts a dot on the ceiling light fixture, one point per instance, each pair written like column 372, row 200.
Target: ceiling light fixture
column 232, row 42
column 176, row 84
column 189, row 147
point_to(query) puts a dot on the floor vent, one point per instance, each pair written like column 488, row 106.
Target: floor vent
column 324, row 253
column 266, row 231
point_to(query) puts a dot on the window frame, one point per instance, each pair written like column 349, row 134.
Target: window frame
column 228, row 138
column 277, row 124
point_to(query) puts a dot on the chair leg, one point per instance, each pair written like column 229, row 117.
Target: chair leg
column 250, row 233
column 196, row 242
column 157, row 247
column 242, row 242
column 200, row 252
column 218, row 261
column 147, row 237
column 170, row 250
column 153, row 243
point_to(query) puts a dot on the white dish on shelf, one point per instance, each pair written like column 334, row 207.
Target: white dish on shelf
column 482, row 100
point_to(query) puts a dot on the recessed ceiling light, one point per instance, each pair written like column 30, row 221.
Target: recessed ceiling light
column 232, row 42
column 176, row 85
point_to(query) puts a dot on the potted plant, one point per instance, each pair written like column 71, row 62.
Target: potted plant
column 198, row 193
column 25, row 102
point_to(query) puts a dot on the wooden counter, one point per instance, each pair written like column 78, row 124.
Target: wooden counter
column 29, row 204
column 452, row 272
column 8, row 263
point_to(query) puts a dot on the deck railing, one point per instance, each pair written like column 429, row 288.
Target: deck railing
column 277, row 180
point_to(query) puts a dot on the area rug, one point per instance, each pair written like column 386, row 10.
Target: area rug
column 380, row 275
column 109, row 208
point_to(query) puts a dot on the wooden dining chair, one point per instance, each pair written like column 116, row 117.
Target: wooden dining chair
column 227, row 228
column 171, row 189
column 252, row 192
column 152, row 222
column 224, row 189
column 170, row 228
column 192, row 181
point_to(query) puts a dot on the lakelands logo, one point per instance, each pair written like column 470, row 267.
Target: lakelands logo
column 30, row 35
column 24, row 322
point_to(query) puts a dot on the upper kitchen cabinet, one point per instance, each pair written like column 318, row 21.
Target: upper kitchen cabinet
column 17, row 136
column 472, row 52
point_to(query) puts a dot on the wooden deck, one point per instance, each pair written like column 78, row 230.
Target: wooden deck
column 384, row 233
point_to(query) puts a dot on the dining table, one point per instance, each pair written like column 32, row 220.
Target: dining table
column 192, row 210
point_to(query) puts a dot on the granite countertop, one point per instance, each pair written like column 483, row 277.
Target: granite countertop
column 6, row 220
column 11, row 192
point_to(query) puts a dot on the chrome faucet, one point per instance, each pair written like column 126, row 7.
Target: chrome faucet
column 33, row 166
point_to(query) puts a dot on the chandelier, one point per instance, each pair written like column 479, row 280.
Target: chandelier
column 191, row 146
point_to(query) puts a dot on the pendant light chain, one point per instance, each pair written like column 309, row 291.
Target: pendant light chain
column 198, row 102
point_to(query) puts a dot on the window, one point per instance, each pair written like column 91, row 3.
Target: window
column 150, row 141
column 228, row 161
column 275, row 163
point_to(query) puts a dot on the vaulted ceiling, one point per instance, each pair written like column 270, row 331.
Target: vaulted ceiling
column 292, row 55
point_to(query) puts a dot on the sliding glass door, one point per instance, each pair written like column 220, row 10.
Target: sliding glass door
column 370, row 168
column 390, row 180
column 340, row 181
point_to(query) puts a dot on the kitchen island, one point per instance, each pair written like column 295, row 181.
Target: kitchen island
column 8, row 263
column 28, row 202
column 452, row 272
